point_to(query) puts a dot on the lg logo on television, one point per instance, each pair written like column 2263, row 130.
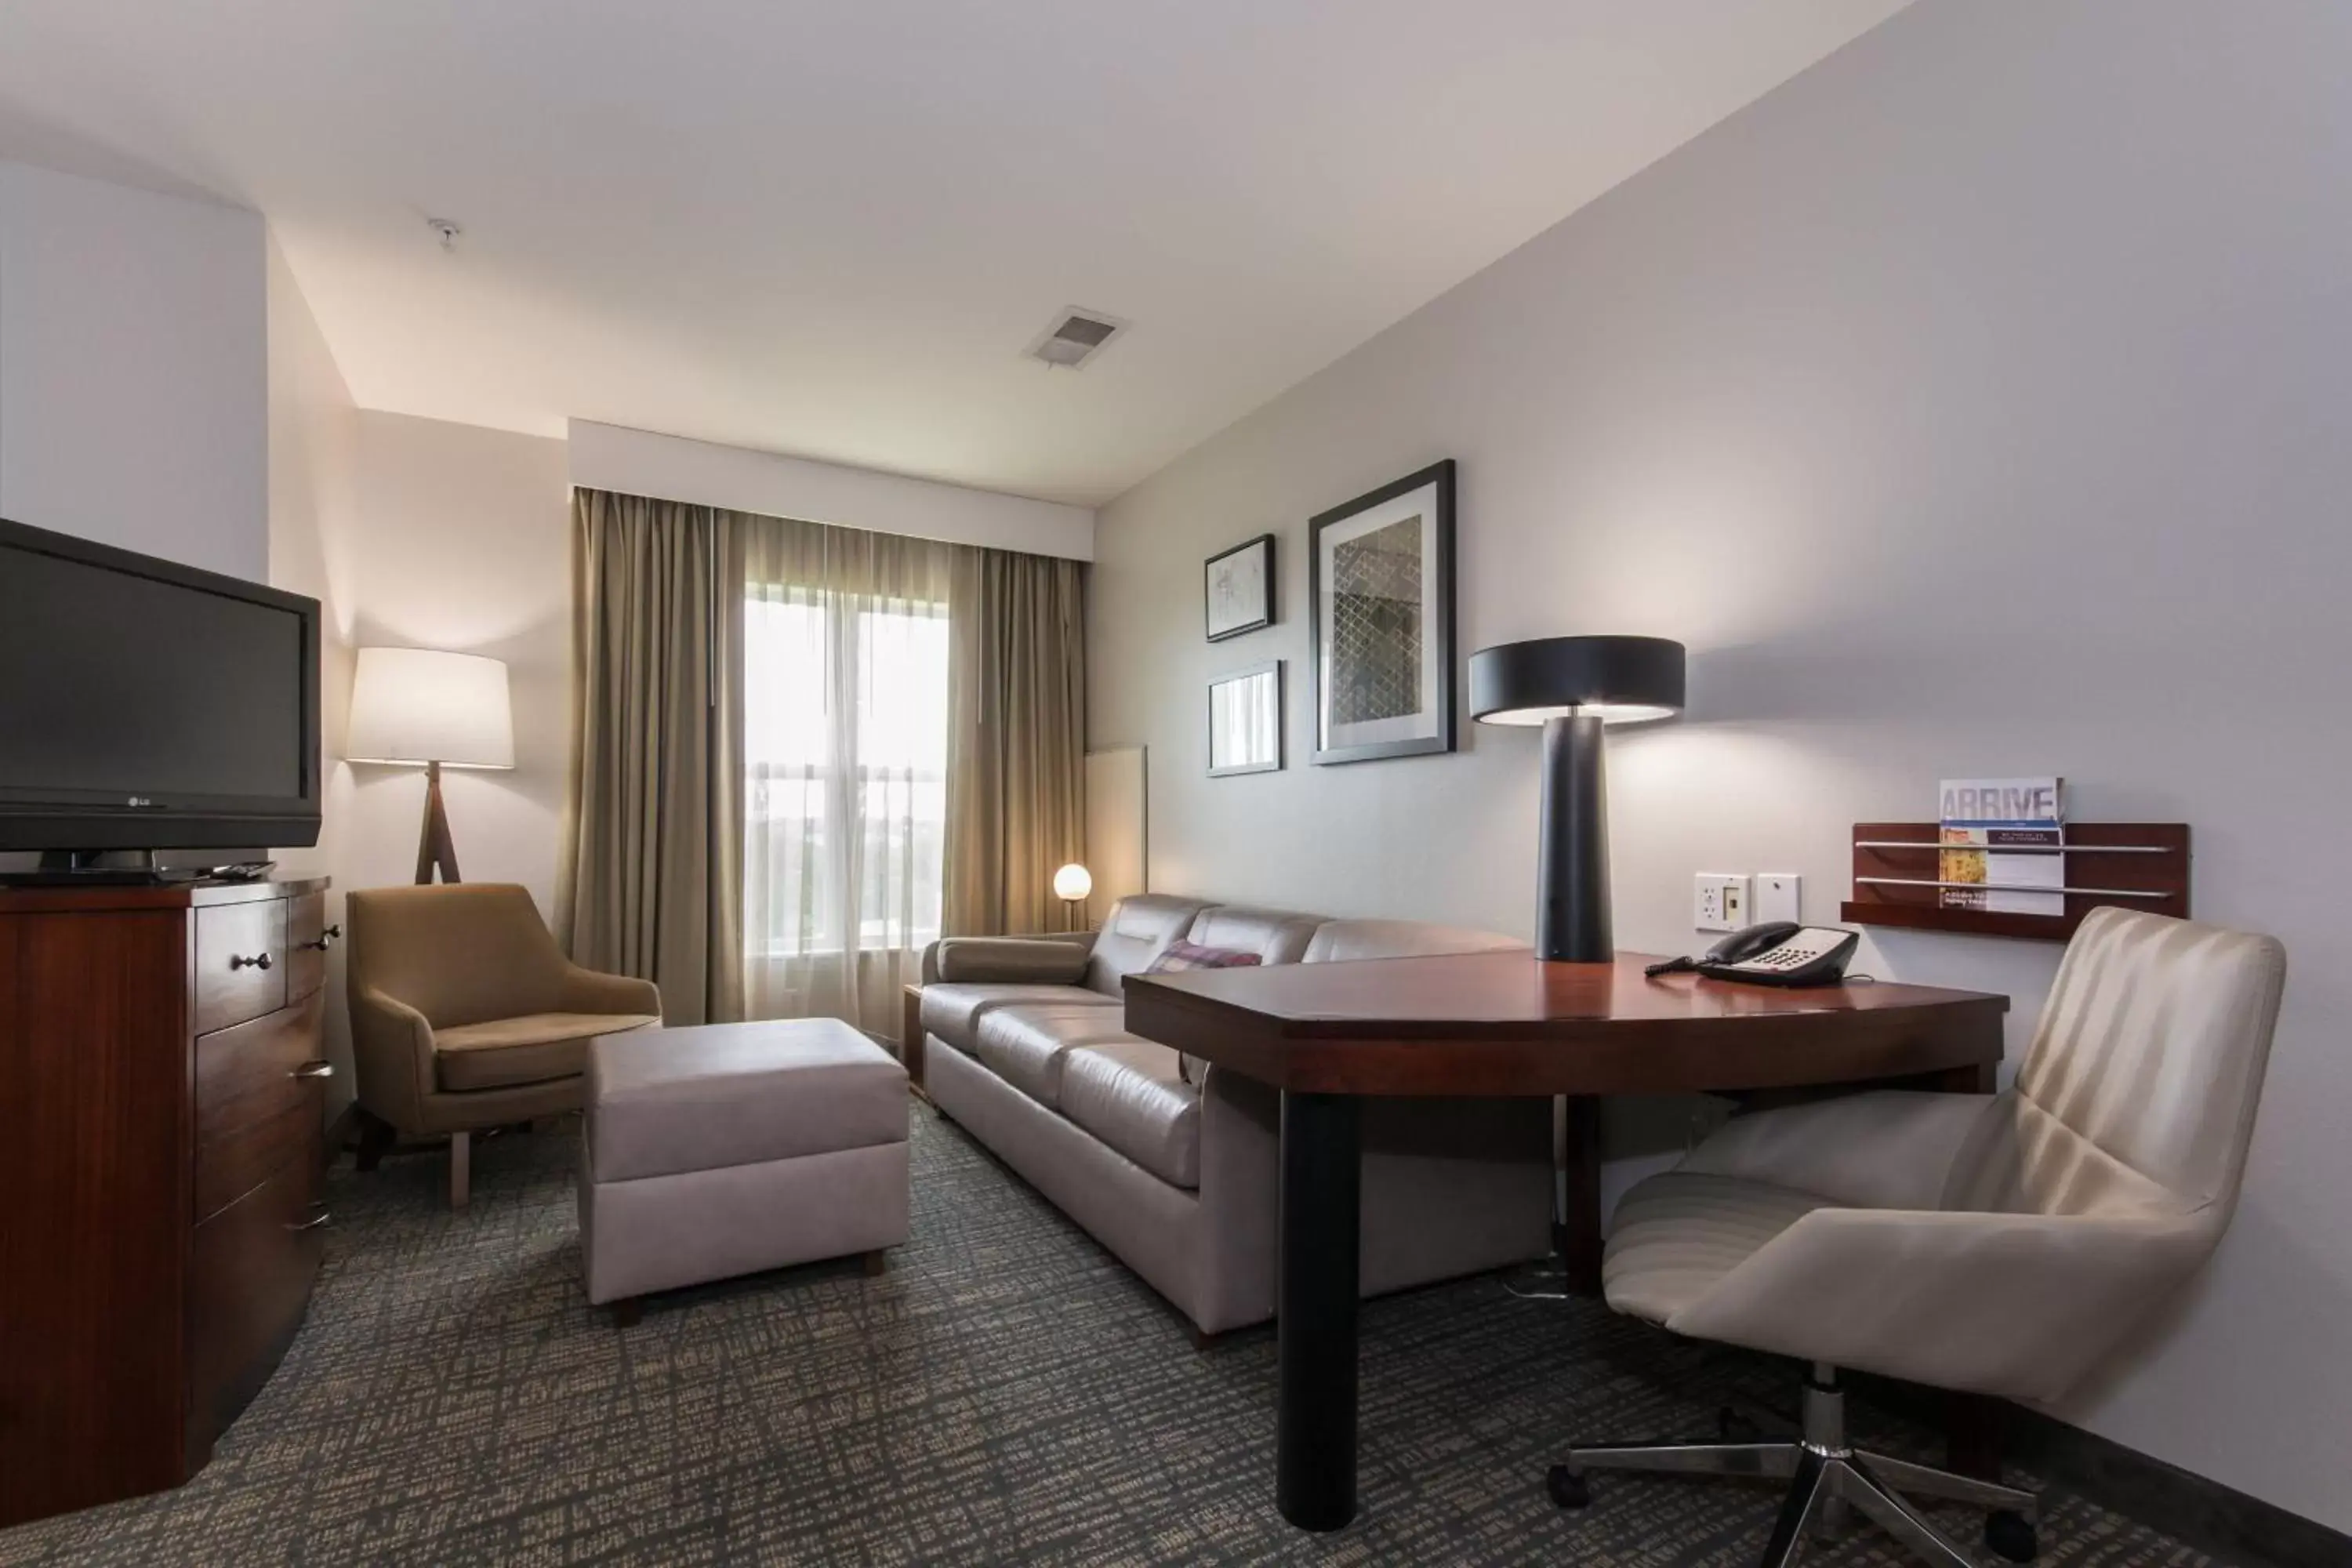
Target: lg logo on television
column 141, row 800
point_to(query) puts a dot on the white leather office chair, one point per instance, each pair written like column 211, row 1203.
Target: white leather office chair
column 2000, row 1245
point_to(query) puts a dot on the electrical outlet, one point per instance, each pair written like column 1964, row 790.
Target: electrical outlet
column 1779, row 896
column 1719, row 902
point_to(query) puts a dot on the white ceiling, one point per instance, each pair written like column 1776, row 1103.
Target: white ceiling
column 831, row 229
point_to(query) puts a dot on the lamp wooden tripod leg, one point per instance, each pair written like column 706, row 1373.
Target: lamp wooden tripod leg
column 435, row 848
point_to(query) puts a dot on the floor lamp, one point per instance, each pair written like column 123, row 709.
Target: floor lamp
column 418, row 707
column 1073, row 884
column 1574, row 688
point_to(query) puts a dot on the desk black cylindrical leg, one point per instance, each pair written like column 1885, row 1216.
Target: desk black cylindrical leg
column 1315, row 1463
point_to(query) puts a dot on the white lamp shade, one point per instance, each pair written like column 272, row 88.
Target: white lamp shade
column 416, row 705
column 1073, row 881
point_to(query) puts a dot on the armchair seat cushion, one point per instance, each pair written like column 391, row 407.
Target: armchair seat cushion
column 1677, row 1235
column 953, row 1010
column 500, row 1053
column 1131, row 1094
column 1026, row 1045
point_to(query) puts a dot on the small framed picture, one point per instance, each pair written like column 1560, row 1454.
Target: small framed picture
column 1380, row 587
column 1240, row 589
column 1245, row 722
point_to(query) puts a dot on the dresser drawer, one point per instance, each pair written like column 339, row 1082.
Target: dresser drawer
column 249, row 1273
column 261, row 1098
column 307, row 941
column 240, row 963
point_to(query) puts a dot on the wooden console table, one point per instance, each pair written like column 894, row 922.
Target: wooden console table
column 1327, row 1034
column 161, row 1108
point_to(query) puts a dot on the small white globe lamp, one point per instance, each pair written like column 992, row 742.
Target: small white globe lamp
column 1072, row 884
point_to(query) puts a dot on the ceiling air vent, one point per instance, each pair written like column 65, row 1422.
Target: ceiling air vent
column 1075, row 337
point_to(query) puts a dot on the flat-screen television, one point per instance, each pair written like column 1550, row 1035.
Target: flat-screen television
column 147, row 705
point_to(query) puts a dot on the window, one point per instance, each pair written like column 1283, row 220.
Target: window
column 845, row 739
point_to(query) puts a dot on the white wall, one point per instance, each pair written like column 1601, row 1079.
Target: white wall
column 314, row 516
column 641, row 463
column 1971, row 405
column 134, row 381
column 462, row 542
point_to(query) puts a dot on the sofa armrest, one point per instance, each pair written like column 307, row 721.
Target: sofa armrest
column 1059, row 959
column 592, row 991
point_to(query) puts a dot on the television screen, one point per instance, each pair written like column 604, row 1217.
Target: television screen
column 159, row 701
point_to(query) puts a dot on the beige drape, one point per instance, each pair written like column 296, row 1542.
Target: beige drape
column 1016, row 750
column 669, row 876
column 656, row 825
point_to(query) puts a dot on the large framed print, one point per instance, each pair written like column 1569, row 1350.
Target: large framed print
column 1381, row 582
column 1238, row 588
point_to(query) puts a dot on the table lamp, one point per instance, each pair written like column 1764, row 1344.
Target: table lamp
column 1073, row 884
column 413, row 706
column 1573, row 686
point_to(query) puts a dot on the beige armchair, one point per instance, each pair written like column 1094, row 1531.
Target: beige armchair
column 1998, row 1245
column 466, row 1016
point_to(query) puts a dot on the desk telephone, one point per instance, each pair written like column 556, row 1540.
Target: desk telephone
column 1777, row 952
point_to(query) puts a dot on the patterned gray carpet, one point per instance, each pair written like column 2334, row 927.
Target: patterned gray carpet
column 1006, row 1393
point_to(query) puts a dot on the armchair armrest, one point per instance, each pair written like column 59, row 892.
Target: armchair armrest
column 593, row 990
column 1059, row 959
column 2016, row 1305
column 392, row 1049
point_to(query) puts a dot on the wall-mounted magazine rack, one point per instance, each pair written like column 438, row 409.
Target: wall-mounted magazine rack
column 2133, row 865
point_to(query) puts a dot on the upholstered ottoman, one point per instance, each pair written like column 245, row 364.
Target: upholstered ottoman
column 730, row 1148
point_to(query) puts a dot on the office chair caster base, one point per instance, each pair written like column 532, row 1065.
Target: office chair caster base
column 1826, row 1478
column 2010, row 1535
column 1568, row 1488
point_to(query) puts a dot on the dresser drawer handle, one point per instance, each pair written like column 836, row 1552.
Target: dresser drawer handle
column 327, row 938
column 313, row 1223
column 314, row 1069
column 238, row 961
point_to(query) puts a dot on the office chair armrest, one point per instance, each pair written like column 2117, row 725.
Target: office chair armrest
column 1054, row 960
column 1890, row 1149
column 593, row 990
column 2016, row 1305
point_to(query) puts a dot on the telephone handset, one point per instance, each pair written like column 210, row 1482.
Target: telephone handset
column 1777, row 952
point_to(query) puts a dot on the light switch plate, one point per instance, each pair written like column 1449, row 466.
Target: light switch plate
column 1719, row 902
column 1779, row 896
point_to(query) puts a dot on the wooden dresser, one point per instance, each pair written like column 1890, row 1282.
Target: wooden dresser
column 162, row 1101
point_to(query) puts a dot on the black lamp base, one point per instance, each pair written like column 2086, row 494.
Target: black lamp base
column 1572, row 867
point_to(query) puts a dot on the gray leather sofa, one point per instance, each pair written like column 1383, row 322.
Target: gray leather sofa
column 1174, row 1166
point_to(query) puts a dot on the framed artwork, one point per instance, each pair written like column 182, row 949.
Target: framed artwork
column 1240, row 588
column 1381, row 585
column 1245, row 722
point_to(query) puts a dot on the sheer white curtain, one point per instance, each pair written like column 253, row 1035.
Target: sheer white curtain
column 846, row 697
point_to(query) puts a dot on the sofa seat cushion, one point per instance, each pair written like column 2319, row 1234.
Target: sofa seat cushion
column 1026, row 1044
column 953, row 1010
column 1129, row 1094
column 719, row 1096
column 500, row 1053
column 1676, row 1234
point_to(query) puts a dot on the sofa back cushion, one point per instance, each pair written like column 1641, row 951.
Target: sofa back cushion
column 1341, row 941
column 1139, row 927
column 1276, row 936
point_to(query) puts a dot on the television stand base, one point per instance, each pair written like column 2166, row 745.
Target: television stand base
column 98, row 868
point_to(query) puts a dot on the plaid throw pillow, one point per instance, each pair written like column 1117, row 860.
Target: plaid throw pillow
column 1183, row 955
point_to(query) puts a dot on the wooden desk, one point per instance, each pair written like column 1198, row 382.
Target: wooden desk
column 1503, row 1024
